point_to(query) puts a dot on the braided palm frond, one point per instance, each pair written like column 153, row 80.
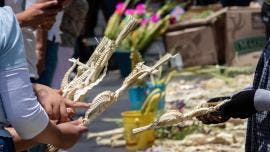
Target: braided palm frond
column 175, row 117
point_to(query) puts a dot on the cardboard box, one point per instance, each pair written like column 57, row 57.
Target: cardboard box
column 216, row 23
column 245, row 33
column 247, row 59
column 218, row 11
column 196, row 45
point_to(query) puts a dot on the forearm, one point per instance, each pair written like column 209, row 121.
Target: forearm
column 51, row 135
column 62, row 135
column 38, row 13
column 20, row 144
column 40, row 90
column 24, row 112
column 261, row 99
column 41, row 48
column 41, row 38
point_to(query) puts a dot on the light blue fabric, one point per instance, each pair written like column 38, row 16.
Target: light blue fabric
column 12, row 53
column 18, row 99
column 12, row 56
column 11, row 48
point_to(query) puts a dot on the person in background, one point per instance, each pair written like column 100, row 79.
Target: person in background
column 48, row 40
column 266, row 17
column 35, row 16
column 72, row 23
column 86, row 42
column 18, row 103
column 46, row 49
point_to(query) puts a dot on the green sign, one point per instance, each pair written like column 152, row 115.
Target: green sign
column 250, row 44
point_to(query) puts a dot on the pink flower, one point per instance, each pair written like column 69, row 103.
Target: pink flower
column 130, row 12
column 177, row 12
column 140, row 9
column 120, row 8
column 155, row 18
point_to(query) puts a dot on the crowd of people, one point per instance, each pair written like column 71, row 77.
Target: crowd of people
column 37, row 37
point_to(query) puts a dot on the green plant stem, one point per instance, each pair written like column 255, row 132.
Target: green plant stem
column 153, row 33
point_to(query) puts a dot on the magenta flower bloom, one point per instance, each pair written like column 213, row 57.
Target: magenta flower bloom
column 140, row 9
column 130, row 12
column 120, row 8
column 154, row 18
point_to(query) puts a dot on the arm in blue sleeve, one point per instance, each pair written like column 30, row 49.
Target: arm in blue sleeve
column 19, row 101
column 12, row 53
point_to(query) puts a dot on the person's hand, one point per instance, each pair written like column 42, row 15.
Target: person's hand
column 39, row 14
column 41, row 49
column 65, row 3
column 57, row 107
column 71, row 132
column 214, row 117
column 46, row 26
column 241, row 105
column 63, row 135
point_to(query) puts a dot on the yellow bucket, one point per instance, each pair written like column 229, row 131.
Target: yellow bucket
column 134, row 119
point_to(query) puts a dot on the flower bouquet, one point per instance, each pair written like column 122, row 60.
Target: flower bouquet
column 154, row 22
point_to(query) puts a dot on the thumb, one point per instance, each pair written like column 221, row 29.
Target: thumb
column 82, row 129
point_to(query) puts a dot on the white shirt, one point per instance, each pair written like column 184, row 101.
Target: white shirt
column 28, row 35
column 16, row 5
column 55, row 31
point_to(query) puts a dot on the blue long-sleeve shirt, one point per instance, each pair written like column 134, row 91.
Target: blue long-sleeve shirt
column 18, row 103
